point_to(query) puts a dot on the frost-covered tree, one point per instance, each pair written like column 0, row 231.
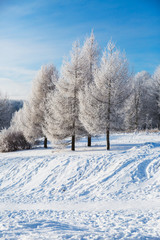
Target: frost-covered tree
column 23, row 120
column 58, row 118
column 155, row 88
column 5, row 112
column 30, row 119
column 90, row 109
column 12, row 140
column 63, row 108
column 156, row 78
column 90, row 54
column 140, row 106
column 43, row 84
column 106, row 96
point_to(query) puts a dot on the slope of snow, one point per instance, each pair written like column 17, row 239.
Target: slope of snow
column 87, row 194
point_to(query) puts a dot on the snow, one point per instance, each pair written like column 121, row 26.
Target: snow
column 87, row 194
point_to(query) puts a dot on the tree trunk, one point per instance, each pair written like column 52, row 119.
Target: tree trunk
column 45, row 142
column 73, row 143
column 89, row 140
column 108, row 140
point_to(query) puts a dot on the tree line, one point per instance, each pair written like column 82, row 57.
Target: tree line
column 7, row 109
column 93, row 94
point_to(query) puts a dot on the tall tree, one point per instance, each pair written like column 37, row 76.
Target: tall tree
column 90, row 54
column 63, row 107
column 140, row 106
column 106, row 96
column 31, row 116
column 42, row 85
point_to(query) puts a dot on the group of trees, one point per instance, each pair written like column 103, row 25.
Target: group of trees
column 94, row 94
column 4, row 112
column 7, row 109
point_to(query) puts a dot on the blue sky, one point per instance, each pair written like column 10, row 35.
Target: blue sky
column 37, row 32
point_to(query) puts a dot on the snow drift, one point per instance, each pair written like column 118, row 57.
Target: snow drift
column 127, row 178
column 85, row 175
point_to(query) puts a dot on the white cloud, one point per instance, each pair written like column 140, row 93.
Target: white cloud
column 30, row 52
column 15, row 90
column 16, row 81
column 17, row 73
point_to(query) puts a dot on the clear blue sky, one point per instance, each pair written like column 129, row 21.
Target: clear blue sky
column 37, row 32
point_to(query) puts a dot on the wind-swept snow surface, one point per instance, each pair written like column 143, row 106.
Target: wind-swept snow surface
column 88, row 194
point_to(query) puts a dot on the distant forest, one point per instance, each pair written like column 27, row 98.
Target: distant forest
column 7, row 109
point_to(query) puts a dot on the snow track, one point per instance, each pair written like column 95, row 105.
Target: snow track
column 62, row 187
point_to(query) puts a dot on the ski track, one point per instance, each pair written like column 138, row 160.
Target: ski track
column 86, row 194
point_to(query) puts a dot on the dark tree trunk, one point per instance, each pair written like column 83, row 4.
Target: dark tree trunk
column 45, row 142
column 89, row 140
column 108, row 140
column 73, row 143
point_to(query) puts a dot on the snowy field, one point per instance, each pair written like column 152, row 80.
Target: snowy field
column 86, row 194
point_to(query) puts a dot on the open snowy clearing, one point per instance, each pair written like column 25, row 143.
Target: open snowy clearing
column 86, row 194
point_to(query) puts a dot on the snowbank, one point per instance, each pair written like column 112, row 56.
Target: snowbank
column 88, row 193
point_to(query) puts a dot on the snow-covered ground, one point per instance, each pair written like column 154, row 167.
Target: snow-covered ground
column 87, row 194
